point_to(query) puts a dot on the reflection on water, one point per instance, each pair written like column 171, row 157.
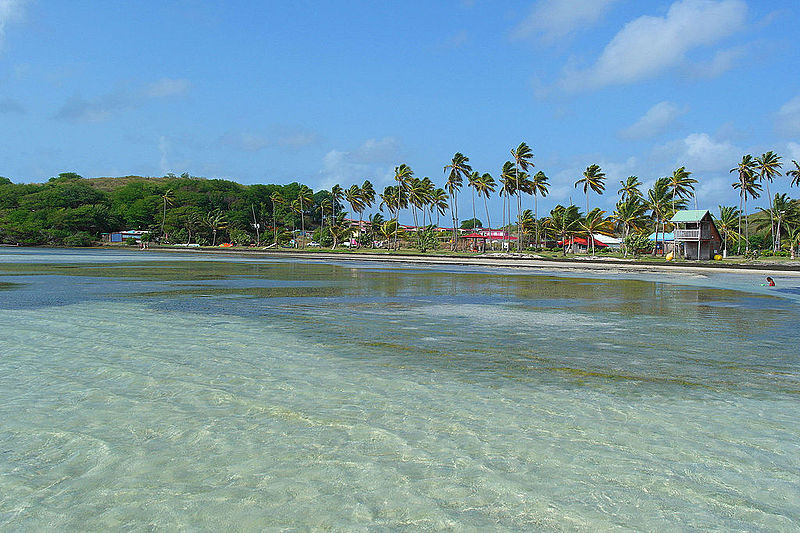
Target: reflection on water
column 143, row 391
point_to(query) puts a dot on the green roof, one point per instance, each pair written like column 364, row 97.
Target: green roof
column 690, row 215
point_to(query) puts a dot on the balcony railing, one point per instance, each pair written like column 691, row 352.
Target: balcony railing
column 691, row 234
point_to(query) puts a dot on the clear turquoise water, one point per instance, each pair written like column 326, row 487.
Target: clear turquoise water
column 145, row 390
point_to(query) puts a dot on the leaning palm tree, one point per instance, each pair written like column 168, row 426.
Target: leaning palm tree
column 169, row 200
column 215, row 221
column 726, row 224
column 794, row 174
column 353, row 197
column 658, row 202
column 784, row 214
column 538, row 186
column 459, row 168
column 472, row 183
column 305, row 198
column 485, row 186
column 593, row 178
column 630, row 188
column 563, row 222
column 747, row 186
column 681, row 184
column 438, row 203
column 426, row 189
column 508, row 188
column 337, row 193
column 595, row 223
column 768, row 167
column 277, row 199
column 523, row 156
column 630, row 214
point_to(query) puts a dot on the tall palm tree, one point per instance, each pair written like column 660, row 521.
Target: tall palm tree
column 747, row 186
column 426, row 188
column 630, row 213
column 659, row 203
column 523, row 156
column 337, row 193
column 168, row 199
column 215, row 221
column 485, row 186
column 794, row 174
column 305, row 197
column 402, row 174
column 630, row 188
column 564, row 222
column 353, row 197
column 784, row 213
column 681, row 184
column 508, row 188
column 593, row 178
column 459, row 168
column 539, row 185
column 768, row 167
column 726, row 224
column 277, row 199
column 472, row 183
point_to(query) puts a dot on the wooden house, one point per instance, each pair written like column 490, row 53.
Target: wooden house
column 696, row 232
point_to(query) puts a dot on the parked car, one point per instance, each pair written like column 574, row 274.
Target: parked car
column 313, row 243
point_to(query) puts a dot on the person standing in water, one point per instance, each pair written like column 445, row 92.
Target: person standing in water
column 770, row 282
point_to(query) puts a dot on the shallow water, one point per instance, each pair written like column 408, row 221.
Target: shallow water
column 146, row 390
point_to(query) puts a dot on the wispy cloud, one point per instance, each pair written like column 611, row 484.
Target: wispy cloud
column 649, row 45
column 122, row 98
column 788, row 117
column 10, row 11
column 552, row 20
column 657, row 119
column 373, row 160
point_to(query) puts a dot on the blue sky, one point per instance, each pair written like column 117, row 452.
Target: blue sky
column 339, row 92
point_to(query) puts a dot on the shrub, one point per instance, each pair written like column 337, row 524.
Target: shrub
column 80, row 239
column 130, row 241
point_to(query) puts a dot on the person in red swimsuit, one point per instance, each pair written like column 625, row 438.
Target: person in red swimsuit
column 770, row 282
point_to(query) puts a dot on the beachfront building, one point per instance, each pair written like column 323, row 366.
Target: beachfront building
column 124, row 235
column 613, row 243
column 579, row 245
column 696, row 232
column 664, row 241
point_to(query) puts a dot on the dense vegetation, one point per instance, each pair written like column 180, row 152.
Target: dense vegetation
column 73, row 211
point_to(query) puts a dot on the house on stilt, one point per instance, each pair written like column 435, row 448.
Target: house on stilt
column 696, row 233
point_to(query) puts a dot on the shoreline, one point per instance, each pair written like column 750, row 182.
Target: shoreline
column 569, row 265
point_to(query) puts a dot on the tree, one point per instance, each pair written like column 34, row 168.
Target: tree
column 277, row 199
column 681, row 185
column 768, row 167
column 402, row 174
column 472, row 183
column 459, row 168
column 630, row 213
column 168, row 199
column 522, row 155
column 794, row 174
column 726, row 224
column 305, row 198
column 485, row 186
column 784, row 213
column 593, row 178
column 659, row 202
column 538, row 186
column 595, row 222
column 564, row 222
column 508, row 188
column 215, row 221
column 471, row 223
column 439, row 203
column 630, row 188
column 354, row 197
column 747, row 186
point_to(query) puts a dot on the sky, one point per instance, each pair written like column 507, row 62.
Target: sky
column 340, row 92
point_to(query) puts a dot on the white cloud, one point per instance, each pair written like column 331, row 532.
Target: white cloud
column 555, row 19
column 167, row 87
column 648, row 45
column 699, row 152
column 788, row 117
column 373, row 160
column 10, row 11
column 657, row 119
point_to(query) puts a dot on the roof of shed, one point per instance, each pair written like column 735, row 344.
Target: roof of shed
column 690, row 215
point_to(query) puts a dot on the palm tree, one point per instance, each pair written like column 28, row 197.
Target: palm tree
column 522, row 155
column 402, row 174
column 215, row 221
column 472, row 183
column 681, row 184
column 768, row 167
column 325, row 205
column 426, row 188
column 595, row 222
column 305, row 197
column 485, row 186
column 658, row 201
column 593, row 178
column 538, row 186
column 508, row 188
column 439, row 203
column 630, row 188
column 726, row 224
column 168, row 199
column 191, row 222
column 353, row 197
column 337, row 193
column 459, row 169
column 794, row 173
column 630, row 213
column 747, row 186
column 784, row 213
column 564, row 221
column 277, row 200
